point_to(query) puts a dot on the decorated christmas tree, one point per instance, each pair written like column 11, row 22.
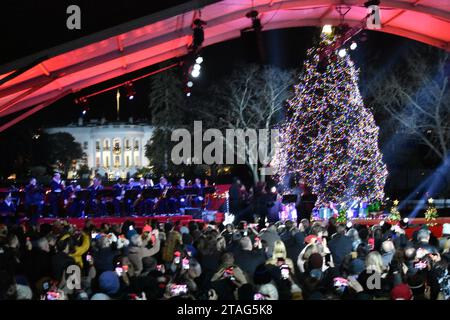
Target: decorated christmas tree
column 431, row 213
column 330, row 139
column 394, row 214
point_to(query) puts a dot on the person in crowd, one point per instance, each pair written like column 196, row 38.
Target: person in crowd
column 249, row 256
column 340, row 245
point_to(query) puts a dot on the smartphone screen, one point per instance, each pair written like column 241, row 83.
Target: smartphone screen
column 52, row 295
column 178, row 289
column 259, row 296
column 88, row 258
column 284, row 271
column 119, row 271
column 185, row 263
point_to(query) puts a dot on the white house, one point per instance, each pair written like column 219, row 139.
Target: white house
column 113, row 148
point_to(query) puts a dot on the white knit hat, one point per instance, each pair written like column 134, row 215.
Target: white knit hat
column 23, row 292
column 269, row 290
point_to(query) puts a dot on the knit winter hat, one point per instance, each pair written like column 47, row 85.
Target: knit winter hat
column 269, row 290
column 184, row 230
column 100, row 296
column 109, row 282
column 131, row 233
column 23, row 292
column 401, row 292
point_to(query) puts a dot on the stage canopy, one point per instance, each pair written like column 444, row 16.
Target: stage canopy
column 31, row 83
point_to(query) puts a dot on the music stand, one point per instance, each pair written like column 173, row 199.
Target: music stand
column 151, row 193
column 105, row 194
column 209, row 190
column 289, row 198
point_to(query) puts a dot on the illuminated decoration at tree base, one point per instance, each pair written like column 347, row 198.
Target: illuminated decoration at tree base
column 431, row 214
column 330, row 139
column 394, row 214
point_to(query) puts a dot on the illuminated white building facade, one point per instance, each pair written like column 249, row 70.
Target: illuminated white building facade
column 110, row 148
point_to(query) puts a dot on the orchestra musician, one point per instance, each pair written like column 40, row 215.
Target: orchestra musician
column 149, row 203
column 128, row 203
column 178, row 199
column 34, row 199
column 162, row 205
column 138, row 204
column 7, row 207
column 96, row 206
column 70, row 202
column 198, row 189
column 119, row 193
column 56, row 195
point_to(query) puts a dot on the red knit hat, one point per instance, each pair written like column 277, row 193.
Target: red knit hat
column 401, row 292
column 310, row 238
column 147, row 228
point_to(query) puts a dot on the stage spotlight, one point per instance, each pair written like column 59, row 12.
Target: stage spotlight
column 256, row 22
column 327, row 29
column 130, row 90
column 353, row 46
column 199, row 35
column 349, row 225
column 84, row 112
column 190, row 84
column 404, row 223
column 195, row 73
column 188, row 94
column 342, row 53
column 199, row 60
column 197, row 67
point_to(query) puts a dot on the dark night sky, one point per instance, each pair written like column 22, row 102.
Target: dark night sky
column 31, row 26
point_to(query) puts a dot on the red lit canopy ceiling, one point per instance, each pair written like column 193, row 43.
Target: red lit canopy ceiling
column 128, row 47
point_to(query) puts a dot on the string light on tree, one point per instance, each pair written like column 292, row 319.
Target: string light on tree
column 330, row 138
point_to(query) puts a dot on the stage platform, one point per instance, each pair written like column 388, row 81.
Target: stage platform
column 139, row 221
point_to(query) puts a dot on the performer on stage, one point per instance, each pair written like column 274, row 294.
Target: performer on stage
column 163, row 203
column 119, row 192
column 56, row 195
column 34, row 200
column 198, row 189
column 178, row 198
column 96, row 206
column 7, row 208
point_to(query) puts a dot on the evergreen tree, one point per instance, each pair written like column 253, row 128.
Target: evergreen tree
column 330, row 138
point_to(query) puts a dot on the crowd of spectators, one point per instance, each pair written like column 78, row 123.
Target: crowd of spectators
column 320, row 260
